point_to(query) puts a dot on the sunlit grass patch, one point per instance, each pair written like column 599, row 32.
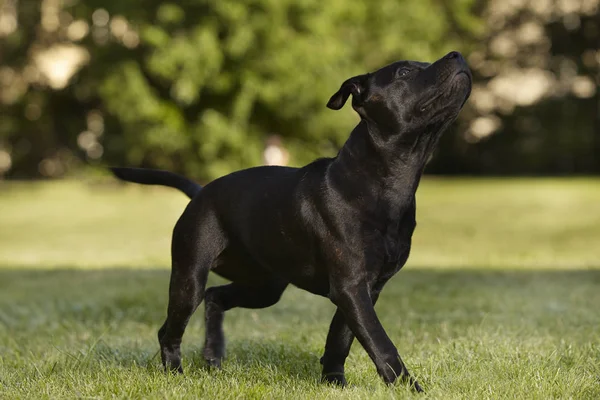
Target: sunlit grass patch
column 499, row 300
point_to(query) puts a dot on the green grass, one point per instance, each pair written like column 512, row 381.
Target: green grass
column 499, row 299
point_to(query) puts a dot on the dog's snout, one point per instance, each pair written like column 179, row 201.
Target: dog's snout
column 453, row 54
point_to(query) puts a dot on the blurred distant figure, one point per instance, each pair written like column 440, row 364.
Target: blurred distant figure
column 275, row 153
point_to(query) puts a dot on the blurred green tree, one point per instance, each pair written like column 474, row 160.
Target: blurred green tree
column 195, row 86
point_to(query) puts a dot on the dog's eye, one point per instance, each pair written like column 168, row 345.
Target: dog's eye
column 400, row 72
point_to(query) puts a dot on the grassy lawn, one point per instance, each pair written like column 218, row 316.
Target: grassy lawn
column 500, row 299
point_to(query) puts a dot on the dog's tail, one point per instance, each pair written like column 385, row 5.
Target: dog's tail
column 158, row 177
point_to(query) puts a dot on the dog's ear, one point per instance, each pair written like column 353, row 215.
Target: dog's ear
column 354, row 86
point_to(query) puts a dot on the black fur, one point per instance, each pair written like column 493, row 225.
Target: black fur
column 339, row 227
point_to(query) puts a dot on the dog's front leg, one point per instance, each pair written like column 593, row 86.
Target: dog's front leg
column 357, row 307
column 337, row 347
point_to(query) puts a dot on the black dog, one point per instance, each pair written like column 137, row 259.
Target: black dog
column 339, row 227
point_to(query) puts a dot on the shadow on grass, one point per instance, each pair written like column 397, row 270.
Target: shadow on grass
column 116, row 294
column 74, row 308
column 269, row 360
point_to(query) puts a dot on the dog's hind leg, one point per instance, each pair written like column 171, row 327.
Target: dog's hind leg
column 222, row 298
column 196, row 244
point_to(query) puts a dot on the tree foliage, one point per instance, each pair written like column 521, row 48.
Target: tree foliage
column 195, row 86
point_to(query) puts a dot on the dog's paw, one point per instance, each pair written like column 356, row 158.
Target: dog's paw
column 416, row 387
column 213, row 363
column 174, row 368
column 171, row 361
column 335, row 378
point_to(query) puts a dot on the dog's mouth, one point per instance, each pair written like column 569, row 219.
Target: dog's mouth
column 447, row 86
column 459, row 78
column 463, row 74
column 425, row 106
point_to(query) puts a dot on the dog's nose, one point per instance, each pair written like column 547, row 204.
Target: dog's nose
column 453, row 54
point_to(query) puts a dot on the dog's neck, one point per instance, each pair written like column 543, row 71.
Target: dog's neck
column 392, row 162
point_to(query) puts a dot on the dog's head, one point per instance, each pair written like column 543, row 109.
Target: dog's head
column 409, row 95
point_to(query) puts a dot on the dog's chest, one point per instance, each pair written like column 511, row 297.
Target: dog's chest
column 388, row 235
column 391, row 243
